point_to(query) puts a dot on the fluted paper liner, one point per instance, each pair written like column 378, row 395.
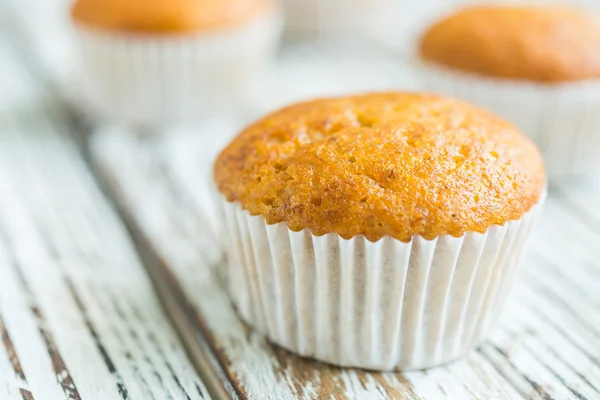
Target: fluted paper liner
column 378, row 305
column 157, row 80
column 564, row 119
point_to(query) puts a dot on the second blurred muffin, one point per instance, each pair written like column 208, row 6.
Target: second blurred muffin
column 537, row 66
column 153, row 63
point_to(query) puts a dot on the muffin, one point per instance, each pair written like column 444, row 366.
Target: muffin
column 537, row 66
column 379, row 231
column 153, row 63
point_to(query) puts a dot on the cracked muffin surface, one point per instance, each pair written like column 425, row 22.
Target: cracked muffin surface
column 385, row 164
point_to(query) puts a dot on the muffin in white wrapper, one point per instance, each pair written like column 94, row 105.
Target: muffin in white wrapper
column 153, row 80
column 564, row 119
column 379, row 231
column 377, row 305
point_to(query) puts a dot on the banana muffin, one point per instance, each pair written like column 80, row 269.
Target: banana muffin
column 536, row 66
column 156, row 63
column 541, row 44
column 378, row 231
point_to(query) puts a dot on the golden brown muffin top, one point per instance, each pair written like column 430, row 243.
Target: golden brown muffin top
column 397, row 164
column 166, row 16
column 536, row 43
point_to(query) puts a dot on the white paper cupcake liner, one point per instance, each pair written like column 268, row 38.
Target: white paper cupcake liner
column 153, row 80
column 563, row 119
column 377, row 305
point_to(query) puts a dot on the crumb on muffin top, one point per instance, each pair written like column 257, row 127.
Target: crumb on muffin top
column 396, row 164
column 537, row 43
column 165, row 16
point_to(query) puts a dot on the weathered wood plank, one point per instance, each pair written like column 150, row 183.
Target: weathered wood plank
column 79, row 316
column 11, row 369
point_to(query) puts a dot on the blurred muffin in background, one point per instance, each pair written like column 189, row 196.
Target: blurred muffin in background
column 537, row 66
column 151, row 63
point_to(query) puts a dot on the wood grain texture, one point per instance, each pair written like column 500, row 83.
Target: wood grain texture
column 546, row 346
column 78, row 316
column 71, row 285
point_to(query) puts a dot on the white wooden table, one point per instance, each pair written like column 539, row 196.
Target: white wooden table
column 79, row 318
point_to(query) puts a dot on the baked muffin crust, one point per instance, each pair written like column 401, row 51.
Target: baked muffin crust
column 396, row 164
column 166, row 16
column 536, row 43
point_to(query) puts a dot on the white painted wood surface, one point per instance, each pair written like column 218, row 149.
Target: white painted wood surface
column 78, row 316
column 547, row 345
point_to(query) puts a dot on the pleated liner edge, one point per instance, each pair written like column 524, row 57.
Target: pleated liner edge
column 376, row 305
